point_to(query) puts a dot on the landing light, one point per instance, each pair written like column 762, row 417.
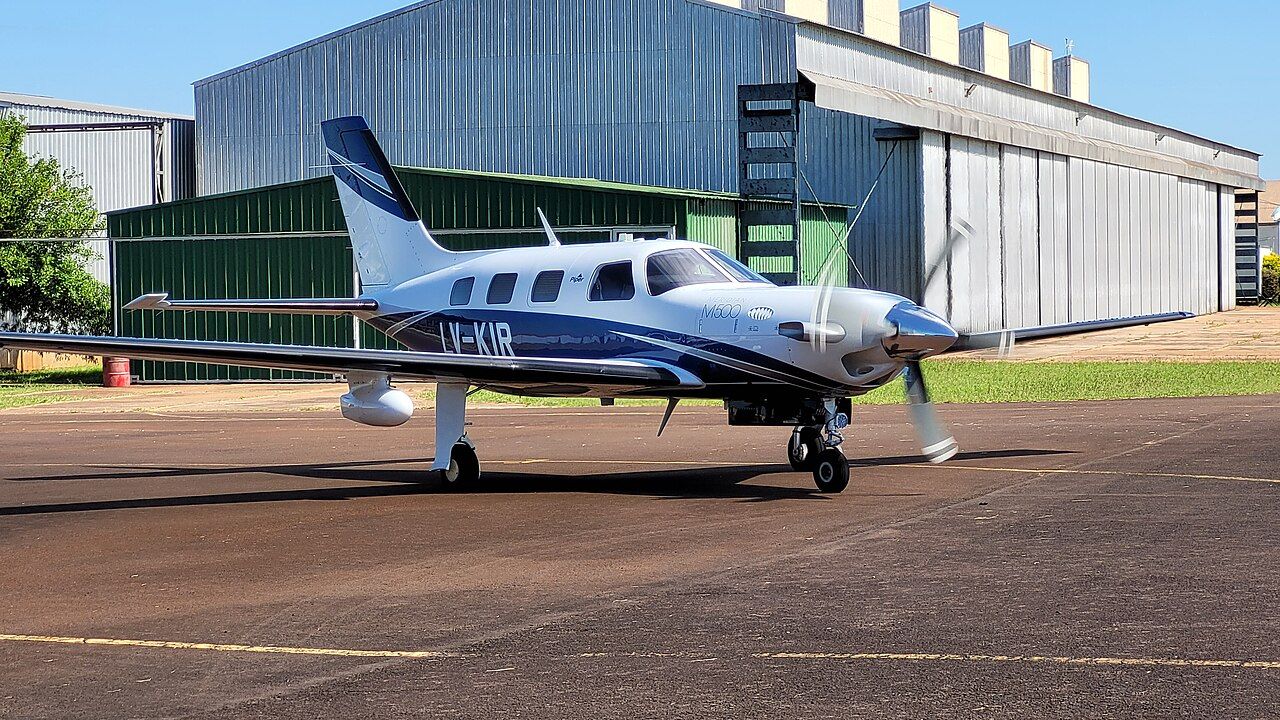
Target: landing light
column 807, row 332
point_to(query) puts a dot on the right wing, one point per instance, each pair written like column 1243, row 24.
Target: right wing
column 501, row 372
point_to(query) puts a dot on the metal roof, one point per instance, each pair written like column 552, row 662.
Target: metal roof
column 577, row 183
column 8, row 98
column 388, row 16
column 590, row 184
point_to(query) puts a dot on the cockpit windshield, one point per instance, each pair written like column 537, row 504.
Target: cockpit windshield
column 673, row 269
column 740, row 272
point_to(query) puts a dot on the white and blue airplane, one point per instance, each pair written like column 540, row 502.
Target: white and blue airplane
column 653, row 319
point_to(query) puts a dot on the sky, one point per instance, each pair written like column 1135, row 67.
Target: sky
column 1209, row 68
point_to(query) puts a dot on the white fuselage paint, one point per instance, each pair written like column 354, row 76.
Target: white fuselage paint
column 742, row 314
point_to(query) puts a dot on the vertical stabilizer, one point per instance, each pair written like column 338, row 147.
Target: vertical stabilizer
column 391, row 244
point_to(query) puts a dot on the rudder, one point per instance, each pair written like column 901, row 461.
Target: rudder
column 390, row 242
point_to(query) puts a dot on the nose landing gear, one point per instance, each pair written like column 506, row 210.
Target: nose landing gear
column 809, row 450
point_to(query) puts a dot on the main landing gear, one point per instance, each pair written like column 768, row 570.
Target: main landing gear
column 464, row 466
column 456, row 459
column 816, row 448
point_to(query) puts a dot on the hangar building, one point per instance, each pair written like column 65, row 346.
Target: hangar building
column 987, row 159
column 127, row 158
column 1077, row 212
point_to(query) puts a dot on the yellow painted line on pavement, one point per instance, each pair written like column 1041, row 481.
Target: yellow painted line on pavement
column 1031, row 659
column 224, row 647
column 795, row 656
column 1114, row 473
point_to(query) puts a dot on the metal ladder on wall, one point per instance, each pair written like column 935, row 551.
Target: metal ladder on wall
column 768, row 135
column 1248, row 266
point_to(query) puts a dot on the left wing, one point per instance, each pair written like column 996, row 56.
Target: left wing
column 506, row 372
column 1004, row 339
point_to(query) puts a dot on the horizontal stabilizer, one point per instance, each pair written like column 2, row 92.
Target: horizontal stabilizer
column 304, row 306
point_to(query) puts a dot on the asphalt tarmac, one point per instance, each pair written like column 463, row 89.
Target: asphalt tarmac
column 1079, row 560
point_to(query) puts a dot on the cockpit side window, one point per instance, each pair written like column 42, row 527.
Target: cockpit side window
column 740, row 272
column 461, row 294
column 672, row 269
column 613, row 282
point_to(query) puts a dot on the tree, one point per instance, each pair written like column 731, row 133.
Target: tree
column 44, row 283
column 1271, row 279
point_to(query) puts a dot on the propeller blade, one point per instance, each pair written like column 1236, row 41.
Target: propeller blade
column 937, row 444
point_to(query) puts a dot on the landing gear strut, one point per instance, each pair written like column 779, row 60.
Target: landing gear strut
column 455, row 453
column 808, row 449
column 803, row 448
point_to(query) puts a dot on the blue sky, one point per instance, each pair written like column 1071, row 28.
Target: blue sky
column 1207, row 68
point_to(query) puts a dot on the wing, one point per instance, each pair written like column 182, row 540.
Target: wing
column 1004, row 338
column 504, row 372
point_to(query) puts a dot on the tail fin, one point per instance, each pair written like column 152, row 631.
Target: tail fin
column 391, row 244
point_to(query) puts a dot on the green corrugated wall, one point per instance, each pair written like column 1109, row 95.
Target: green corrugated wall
column 155, row 251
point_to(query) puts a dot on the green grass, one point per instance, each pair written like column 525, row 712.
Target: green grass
column 35, row 388
column 970, row 382
column 1005, row 382
column 949, row 382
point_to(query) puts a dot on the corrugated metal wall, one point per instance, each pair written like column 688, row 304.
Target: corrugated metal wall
column 840, row 157
column 835, row 53
column 289, row 241
column 639, row 91
column 117, row 164
column 1060, row 239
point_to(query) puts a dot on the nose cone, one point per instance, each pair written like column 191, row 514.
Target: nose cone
column 920, row 333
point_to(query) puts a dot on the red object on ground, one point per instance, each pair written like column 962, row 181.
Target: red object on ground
column 115, row 373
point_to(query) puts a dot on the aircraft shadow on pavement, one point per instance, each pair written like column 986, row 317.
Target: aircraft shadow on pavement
column 676, row 484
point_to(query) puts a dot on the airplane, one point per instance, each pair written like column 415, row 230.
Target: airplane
column 662, row 319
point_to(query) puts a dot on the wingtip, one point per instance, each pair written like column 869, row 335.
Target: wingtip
column 153, row 301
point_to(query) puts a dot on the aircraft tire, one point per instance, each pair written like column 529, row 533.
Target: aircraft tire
column 464, row 468
column 831, row 471
column 810, row 442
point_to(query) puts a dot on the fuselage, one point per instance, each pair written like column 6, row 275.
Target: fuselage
column 679, row 303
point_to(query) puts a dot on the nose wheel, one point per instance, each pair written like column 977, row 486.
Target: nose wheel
column 831, row 471
column 816, row 448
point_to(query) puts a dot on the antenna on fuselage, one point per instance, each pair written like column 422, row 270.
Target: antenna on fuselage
column 552, row 238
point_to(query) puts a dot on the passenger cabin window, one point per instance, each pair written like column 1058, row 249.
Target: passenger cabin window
column 740, row 272
column 502, row 288
column 613, row 282
column 461, row 294
column 672, row 269
column 546, row 287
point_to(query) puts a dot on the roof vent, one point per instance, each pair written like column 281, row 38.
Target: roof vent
column 932, row 30
column 1031, row 64
column 813, row 10
column 1071, row 77
column 877, row 19
column 985, row 48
